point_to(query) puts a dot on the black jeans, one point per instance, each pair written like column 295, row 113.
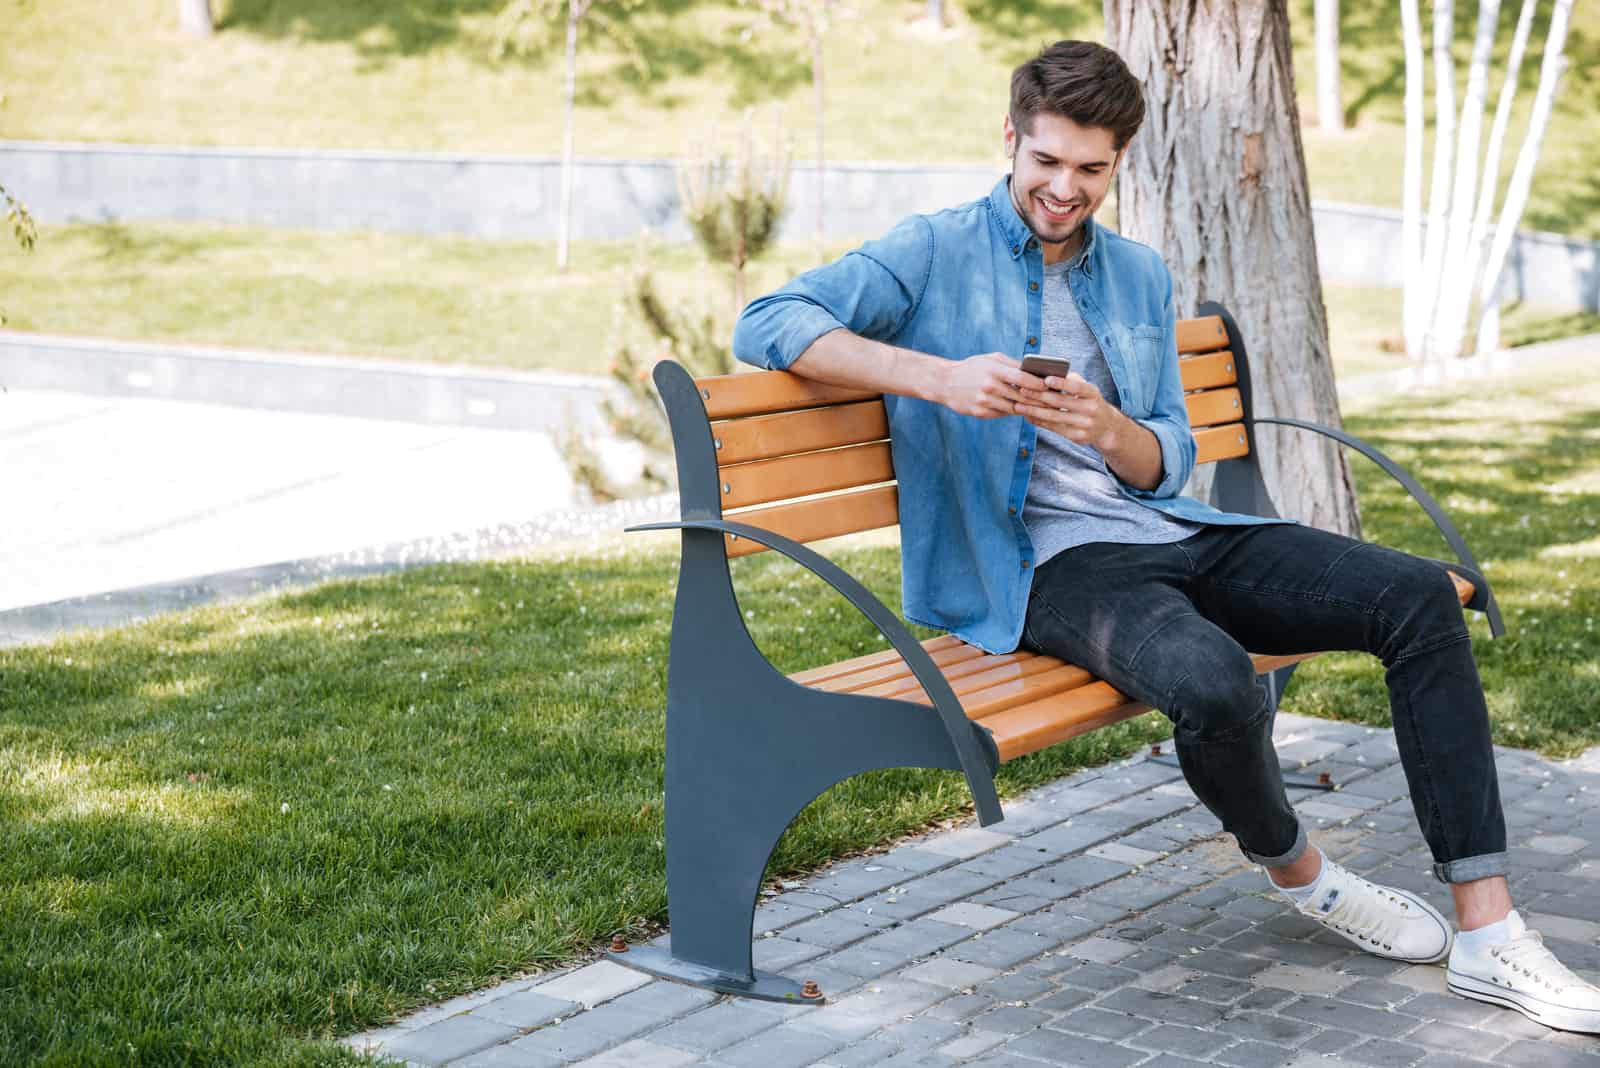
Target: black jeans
column 1169, row 625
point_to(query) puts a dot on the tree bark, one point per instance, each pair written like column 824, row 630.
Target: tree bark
column 1414, row 316
column 816, row 83
column 194, row 18
column 1216, row 182
column 1330, row 109
column 564, row 238
column 1444, row 143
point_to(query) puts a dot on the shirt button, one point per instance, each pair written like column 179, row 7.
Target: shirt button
column 1032, row 340
column 1025, row 564
column 1033, row 287
column 1015, row 249
column 1023, row 452
column 1012, row 510
column 1032, row 244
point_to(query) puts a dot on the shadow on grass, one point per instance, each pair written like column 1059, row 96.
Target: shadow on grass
column 1018, row 29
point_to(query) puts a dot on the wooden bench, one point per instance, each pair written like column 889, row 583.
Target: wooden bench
column 770, row 460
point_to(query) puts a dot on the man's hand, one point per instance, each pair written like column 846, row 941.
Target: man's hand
column 1074, row 408
column 987, row 386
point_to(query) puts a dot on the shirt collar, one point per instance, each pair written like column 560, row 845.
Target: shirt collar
column 1018, row 235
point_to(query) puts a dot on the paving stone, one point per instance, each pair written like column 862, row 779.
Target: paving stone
column 1170, row 1060
column 525, row 1009
column 1330, row 1042
column 1566, row 927
column 871, row 1008
column 1266, row 1027
column 1558, row 844
column 971, row 1044
column 586, row 1033
column 838, row 928
column 1005, row 862
column 1287, row 950
column 1524, row 1054
column 1054, row 926
column 1058, row 1047
column 773, row 916
column 1096, row 977
column 921, row 1033
column 1382, row 1053
column 1082, row 906
column 1369, row 967
column 948, row 973
column 446, row 1040
column 785, row 1046
column 1175, row 1038
column 1303, row 980
column 665, row 999
column 1451, row 1009
column 1162, row 1008
column 1125, row 854
column 1378, row 994
column 1331, row 1012
column 640, row 1054
column 1149, row 960
column 1062, row 1000
column 1100, row 1023
column 779, row 954
column 889, row 950
column 1011, row 1020
column 962, row 1006
column 917, row 859
column 965, row 843
column 1222, row 962
column 1264, row 999
column 847, row 883
column 1101, row 950
column 868, row 1053
column 1445, row 1036
column 1253, row 1055
column 924, row 894
column 978, row 917
column 1018, row 986
column 721, row 1025
column 593, row 984
column 1423, row 978
column 1002, row 948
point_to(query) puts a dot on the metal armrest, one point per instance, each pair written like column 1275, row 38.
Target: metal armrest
column 1483, row 599
column 979, row 760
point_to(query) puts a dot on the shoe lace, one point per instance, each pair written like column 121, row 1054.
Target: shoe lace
column 1528, row 955
column 1366, row 913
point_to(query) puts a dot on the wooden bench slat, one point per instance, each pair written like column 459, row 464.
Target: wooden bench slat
column 1210, row 371
column 1201, row 335
column 1057, row 679
column 1464, row 589
column 951, row 662
column 1027, row 728
column 788, row 477
column 1220, row 443
column 763, row 437
column 974, row 677
column 1214, row 406
column 730, row 396
column 811, row 676
column 822, row 517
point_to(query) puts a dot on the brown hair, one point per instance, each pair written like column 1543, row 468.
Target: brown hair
column 1083, row 81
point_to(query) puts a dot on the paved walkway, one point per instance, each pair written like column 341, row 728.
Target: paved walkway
column 1106, row 922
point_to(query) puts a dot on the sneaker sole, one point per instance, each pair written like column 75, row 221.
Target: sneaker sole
column 1555, row 1016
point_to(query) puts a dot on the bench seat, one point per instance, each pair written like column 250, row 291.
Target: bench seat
column 1027, row 701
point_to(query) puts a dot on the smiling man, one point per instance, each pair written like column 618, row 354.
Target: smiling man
column 1046, row 513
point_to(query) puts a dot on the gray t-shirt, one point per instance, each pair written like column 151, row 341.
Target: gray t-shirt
column 1072, row 498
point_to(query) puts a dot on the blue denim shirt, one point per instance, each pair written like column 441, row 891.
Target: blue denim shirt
column 958, row 283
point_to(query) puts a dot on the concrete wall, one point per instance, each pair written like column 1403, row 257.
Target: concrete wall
column 516, row 197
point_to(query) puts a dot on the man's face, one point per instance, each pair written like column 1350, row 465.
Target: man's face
column 1060, row 173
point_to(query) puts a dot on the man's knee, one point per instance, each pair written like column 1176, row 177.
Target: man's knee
column 1421, row 608
column 1217, row 697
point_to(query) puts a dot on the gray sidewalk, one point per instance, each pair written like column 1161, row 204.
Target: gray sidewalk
column 1106, row 922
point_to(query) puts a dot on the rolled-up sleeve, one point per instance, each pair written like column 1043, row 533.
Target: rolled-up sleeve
column 872, row 291
column 1169, row 414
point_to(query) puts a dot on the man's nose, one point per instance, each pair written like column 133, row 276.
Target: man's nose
column 1064, row 186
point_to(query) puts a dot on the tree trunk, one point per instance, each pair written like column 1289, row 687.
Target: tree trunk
column 1330, row 110
column 936, row 13
column 1444, row 143
column 1216, row 182
column 1551, row 68
column 194, row 18
column 1414, row 316
column 564, row 240
column 1489, row 188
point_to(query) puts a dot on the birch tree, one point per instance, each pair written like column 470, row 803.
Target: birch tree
column 525, row 26
column 812, row 19
column 1216, row 182
column 194, row 18
column 1444, row 272
column 1330, row 108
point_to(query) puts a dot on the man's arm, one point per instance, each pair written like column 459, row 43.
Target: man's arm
column 987, row 386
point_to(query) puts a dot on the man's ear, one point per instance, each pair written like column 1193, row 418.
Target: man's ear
column 1010, row 138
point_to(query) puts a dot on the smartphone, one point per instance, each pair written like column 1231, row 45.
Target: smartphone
column 1047, row 365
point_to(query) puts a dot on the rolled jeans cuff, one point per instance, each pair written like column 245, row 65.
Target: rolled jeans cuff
column 1465, row 870
column 1283, row 859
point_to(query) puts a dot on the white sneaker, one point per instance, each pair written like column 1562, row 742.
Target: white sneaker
column 1379, row 919
column 1520, row 973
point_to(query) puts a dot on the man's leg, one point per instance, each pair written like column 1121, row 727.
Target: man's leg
column 1121, row 612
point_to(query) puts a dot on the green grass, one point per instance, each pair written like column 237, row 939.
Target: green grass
column 238, row 831
column 453, row 300
column 378, row 74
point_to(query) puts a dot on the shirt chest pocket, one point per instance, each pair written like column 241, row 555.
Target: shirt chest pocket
column 1143, row 349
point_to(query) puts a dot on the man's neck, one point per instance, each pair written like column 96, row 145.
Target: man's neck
column 1063, row 250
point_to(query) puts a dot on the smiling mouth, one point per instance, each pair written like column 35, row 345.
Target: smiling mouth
column 1054, row 209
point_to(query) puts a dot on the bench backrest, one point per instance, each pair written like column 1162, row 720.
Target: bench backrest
column 811, row 461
